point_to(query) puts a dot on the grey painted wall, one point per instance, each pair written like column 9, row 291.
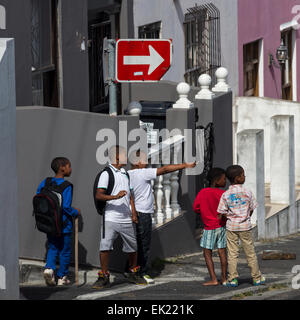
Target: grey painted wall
column 18, row 26
column 171, row 14
column 9, row 250
column 42, row 134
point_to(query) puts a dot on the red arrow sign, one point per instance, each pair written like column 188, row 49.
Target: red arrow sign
column 139, row 60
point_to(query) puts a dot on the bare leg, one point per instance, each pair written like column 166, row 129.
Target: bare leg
column 132, row 257
column 223, row 260
column 210, row 266
column 104, row 261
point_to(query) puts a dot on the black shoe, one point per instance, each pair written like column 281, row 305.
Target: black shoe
column 102, row 281
column 134, row 277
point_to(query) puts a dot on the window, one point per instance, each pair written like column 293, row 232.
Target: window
column 251, row 65
column 43, row 52
column 286, row 72
column 202, row 42
column 150, row 31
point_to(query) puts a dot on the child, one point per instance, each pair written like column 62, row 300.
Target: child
column 214, row 235
column 120, row 219
column 238, row 204
column 60, row 246
column 140, row 178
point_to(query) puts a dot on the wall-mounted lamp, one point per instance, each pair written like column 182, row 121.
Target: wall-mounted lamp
column 281, row 55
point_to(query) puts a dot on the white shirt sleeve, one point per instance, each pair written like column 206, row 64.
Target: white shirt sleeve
column 150, row 173
column 103, row 180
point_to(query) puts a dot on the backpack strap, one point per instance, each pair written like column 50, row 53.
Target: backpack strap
column 111, row 180
column 48, row 182
column 111, row 183
column 65, row 185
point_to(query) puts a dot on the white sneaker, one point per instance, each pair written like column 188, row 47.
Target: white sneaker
column 148, row 279
column 63, row 281
column 49, row 277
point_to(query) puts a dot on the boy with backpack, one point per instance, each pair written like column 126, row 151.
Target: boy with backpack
column 140, row 178
column 214, row 235
column 119, row 216
column 238, row 204
column 53, row 201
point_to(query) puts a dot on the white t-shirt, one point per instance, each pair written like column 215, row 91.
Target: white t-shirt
column 140, row 181
column 117, row 210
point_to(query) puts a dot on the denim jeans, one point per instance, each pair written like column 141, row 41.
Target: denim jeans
column 143, row 237
column 59, row 246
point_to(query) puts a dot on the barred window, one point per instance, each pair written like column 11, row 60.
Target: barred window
column 150, row 31
column 202, row 42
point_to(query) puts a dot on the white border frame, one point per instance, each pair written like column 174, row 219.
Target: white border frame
column 294, row 65
column 139, row 40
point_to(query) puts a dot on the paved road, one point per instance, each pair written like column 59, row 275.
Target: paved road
column 182, row 280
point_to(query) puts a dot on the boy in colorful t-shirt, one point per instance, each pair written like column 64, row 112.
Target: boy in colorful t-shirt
column 238, row 204
column 214, row 235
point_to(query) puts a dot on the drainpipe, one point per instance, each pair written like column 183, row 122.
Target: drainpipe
column 59, row 54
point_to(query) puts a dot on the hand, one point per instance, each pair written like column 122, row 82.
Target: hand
column 135, row 218
column 79, row 211
column 121, row 194
column 191, row 165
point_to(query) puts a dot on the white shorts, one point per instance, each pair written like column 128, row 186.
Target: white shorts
column 127, row 232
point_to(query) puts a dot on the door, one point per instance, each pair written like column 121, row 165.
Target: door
column 251, row 65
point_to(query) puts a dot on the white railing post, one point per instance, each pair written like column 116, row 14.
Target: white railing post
column 158, row 187
column 175, row 187
column 167, row 196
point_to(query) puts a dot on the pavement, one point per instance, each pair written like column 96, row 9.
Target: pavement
column 178, row 278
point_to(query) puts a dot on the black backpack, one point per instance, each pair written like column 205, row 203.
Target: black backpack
column 47, row 207
column 100, row 205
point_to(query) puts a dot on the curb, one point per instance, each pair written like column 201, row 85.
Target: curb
column 232, row 293
column 31, row 273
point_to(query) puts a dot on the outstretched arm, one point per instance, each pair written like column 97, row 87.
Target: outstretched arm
column 174, row 167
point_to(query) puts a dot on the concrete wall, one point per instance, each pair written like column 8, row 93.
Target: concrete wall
column 261, row 19
column 42, row 134
column 18, row 26
column 171, row 14
column 9, row 235
column 256, row 113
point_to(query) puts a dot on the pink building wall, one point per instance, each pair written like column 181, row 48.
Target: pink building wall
column 261, row 19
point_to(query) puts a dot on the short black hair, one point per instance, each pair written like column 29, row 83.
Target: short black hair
column 59, row 162
column 233, row 171
column 215, row 174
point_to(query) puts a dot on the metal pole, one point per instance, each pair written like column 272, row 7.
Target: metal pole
column 111, row 82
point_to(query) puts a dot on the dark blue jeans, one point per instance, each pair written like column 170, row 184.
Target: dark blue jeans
column 59, row 246
column 143, row 237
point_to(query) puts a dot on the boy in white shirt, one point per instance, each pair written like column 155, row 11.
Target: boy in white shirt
column 140, row 180
column 120, row 218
